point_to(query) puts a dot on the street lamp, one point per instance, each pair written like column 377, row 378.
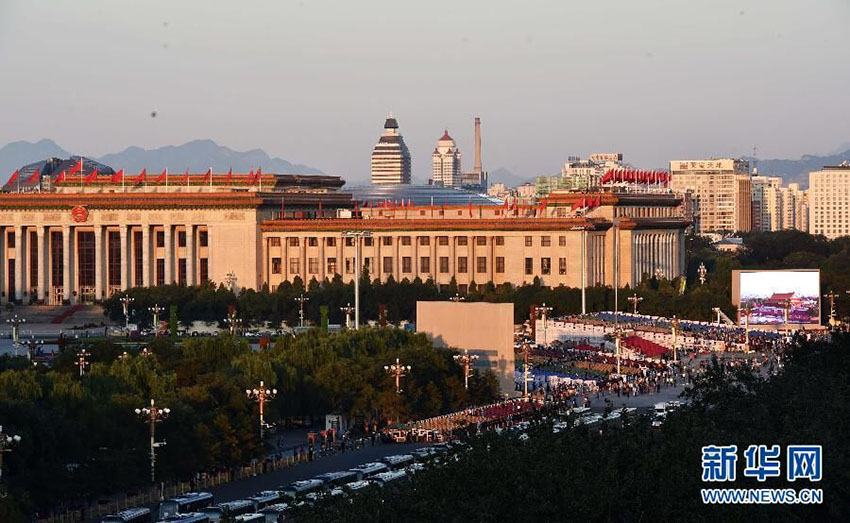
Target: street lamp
column 543, row 310
column 457, row 298
column 674, row 326
column 124, row 356
column 399, row 371
column 635, row 299
column 356, row 235
column 126, row 300
column 233, row 323
column 831, row 296
column 145, row 353
column 82, row 361
column 261, row 395
column 786, row 305
column 32, row 347
column 301, row 299
column 153, row 415
column 702, row 271
column 526, row 377
column 16, row 322
column 746, row 310
column 156, row 310
column 348, row 309
column 6, row 443
column 465, row 360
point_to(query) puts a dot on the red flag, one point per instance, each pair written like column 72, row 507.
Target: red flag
column 117, row 177
column 186, row 177
column 230, row 175
column 505, row 205
column 320, row 207
column 60, row 178
column 208, row 176
column 470, row 208
column 91, row 177
column 34, row 177
column 78, row 167
column 598, row 200
column 14, row 177
column 355, row 208
column 161, row 177
column 142, row 177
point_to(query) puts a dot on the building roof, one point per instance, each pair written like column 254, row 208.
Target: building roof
column 391, row 123
column 419, row 195
column 446, row 136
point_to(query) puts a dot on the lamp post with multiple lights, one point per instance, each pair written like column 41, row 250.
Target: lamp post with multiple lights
column 153, row 415
column 701, row 272
column 301, row 299
column 465, row 360
column 7, row 441
column 233, row 323
column 261, row 395
column 32, row 347
column 635, row 299
column 398, row 371
column 156, row 310
column 82, row 361
column 357, row 235
column 347, row 310
column 126, row 300
column 16, row 323
column 543, row 310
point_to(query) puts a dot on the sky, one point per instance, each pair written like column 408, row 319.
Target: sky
column 312, row 81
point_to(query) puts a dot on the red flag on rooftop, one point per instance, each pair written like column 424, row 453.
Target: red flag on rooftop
column 14, row 177
column 78, row 167
column 142, row 177
column 470, row 208
column 34, row 177
column 161, row 177
column 117, row 177
column 320, row 208
column 60, row 178
column 208, row 175
column 230, row 175
column 186, row 177
column 92, row 176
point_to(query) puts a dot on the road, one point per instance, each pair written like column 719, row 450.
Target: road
column 336, row 462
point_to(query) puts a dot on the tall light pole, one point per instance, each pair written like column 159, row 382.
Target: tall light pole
column 786, row 305
column 526, row 377
column 301, row 299
column 674, row 326
column 356, row 235
column 465, row 360
column 831, row 296
column 233, row 323
column 153, row 415
column 701, row 272
column 398, row 371
column 543, row 310
column 16, row 322
column 261, row 395
column 32, row 347
column 83, row 361
column 7, row 441
column 156, row 310
column 126, row 300
column 348, row 309
column 635, row 299
column 746, row 310
column 618, row 341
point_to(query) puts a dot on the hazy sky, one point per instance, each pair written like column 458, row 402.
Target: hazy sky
column 312, row 81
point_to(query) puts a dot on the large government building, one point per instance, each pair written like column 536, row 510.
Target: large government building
column 76, row 235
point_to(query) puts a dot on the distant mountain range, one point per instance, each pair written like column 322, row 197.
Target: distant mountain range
column 197, row 155
column 797, row 171
column 506, row 177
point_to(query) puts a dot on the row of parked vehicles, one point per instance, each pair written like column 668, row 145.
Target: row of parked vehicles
column 272, row 506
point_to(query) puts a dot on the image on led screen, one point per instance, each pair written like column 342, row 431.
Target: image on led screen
column 769, row 293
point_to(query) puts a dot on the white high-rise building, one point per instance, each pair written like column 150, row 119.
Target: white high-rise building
column 390, row 157
column 829, row 201
column 721, row 191
column 446, row 163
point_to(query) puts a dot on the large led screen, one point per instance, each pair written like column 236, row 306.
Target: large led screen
column 770, row 293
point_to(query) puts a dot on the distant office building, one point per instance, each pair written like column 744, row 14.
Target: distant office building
column 829, row 201
column 526, row 191
column 390, row 157
column 445, row 163
column 579, row 174
column 499, row 190
column 720, row 190
column 765, row 203
column 477, row 178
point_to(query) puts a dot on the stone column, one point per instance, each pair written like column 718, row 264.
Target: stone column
column 66, row 265
column 98, row 262
column 146, row 255
column 42, row 266
column 168, row 256
column 190, row 255
column 125, row 257
column 19, row 263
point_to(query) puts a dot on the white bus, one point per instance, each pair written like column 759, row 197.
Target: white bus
column 194, row 517
column 298, row 489
column 398, row 461
column 331, row 479
column 367, row 470
column 229, row 509
column 130, row 515
column 276, row 513
column 264, row 499
column 185, row 503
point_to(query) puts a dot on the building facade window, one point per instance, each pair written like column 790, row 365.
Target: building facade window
column 545, row 265
column 528, row 241
column 562, row 241
column 274, row 241
column 461, row 264
column 203, row 238
column 481, row 264
column 461, row 240
column 113, row 246
column 444, row 264
column 387, row 241
column 312, row 241
column 181, row 271
column 368, row 241
column 294, row 266
column 138, row 259
column 56, row 259
column 545, row 241
column 330, row 242
column 276, row 266
column 405, row 240
column 480, row 240
column 425, row 264
column 529, row 266
column 160, row 239
column 349, row 265
column 500, row 264
column 442, row 240
column 204, row 270
column 388, row 264
column 181, row 238
column 500, row 240
column 160, row 271
column 562, row 266
column 313, row 265
column 331, row 265
column 406, row 266
column 424, row 240
column 294, row 242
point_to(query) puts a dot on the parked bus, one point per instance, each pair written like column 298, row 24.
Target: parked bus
column 194, row 517
column 252, row 517
column 185, row 503
column 367, row 470
column 386, row 477
column 264, row 499
column 398, row 461
column 229, row 509
column 331, row 479
column 130, row 515
column 276, row 513
column 299, row 489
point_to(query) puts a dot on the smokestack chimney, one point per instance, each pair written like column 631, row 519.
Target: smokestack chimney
column 478, row 168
